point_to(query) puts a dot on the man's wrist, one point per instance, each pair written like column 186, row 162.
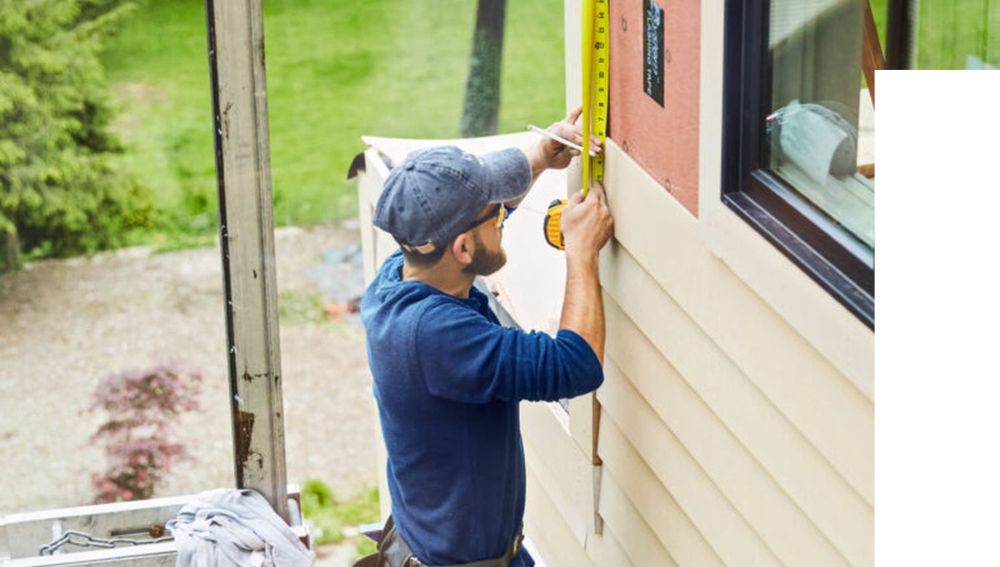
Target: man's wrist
column 536, row 158
column 582, row 259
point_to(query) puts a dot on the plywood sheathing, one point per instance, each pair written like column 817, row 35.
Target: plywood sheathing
column 663, row 140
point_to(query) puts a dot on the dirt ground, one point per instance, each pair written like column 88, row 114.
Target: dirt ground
column 66, row 324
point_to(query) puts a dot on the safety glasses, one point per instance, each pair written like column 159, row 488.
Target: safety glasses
column 500, row 213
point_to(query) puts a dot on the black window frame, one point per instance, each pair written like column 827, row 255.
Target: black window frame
column 831, row 256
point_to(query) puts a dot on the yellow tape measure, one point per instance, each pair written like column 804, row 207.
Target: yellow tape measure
column 595, row 32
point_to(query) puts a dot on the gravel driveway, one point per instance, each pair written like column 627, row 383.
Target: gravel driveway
column 65, row 324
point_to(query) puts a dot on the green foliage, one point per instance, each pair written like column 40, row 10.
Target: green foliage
column 948, row 31
column 61, row 189
column 335, row 71
column 296, row 307
column 328, row 516
column 363, row 547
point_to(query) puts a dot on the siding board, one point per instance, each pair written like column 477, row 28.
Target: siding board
column 563, row 470
column 622, row 519
column 664, row 238
column 605, row 549
column 658, row 475
column 656, row 508
column 841, row 513
column 787, row 529
column 543, row 524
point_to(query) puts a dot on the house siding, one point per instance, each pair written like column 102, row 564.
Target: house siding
column 737, row 415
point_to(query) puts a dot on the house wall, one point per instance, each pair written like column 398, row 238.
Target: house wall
column 736, row 418
column 638, row 122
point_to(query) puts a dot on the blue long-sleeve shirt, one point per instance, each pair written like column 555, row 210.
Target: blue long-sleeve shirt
column 447, row 379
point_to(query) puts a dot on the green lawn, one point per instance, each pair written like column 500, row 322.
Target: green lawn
column 339, row 69
column 335, row 70
column 951, row 30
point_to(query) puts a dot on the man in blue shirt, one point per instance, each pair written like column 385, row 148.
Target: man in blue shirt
column 447, row 376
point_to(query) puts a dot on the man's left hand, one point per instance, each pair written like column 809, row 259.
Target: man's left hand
column 554, row 154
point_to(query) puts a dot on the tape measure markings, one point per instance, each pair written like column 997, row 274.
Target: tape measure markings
column 594, row 42
column 599, row 97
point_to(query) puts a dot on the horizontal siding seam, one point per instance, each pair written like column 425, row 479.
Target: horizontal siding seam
column 642, row 211
column 666, row 548
column 725, row 497
column 697, row 235
column 680, row 506
column 608, row 532
column 726, row 356
column 549, row 503
column 632, row 253
column 748, row 453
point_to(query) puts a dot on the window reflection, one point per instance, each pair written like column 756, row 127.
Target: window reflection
column 820, row 121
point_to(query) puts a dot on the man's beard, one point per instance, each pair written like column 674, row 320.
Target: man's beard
column 485, row 262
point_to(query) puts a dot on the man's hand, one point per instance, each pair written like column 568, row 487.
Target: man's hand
column 586, row 226
column 549, row 153
column 586, row 223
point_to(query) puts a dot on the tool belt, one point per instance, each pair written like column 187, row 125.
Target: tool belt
column 394, row 552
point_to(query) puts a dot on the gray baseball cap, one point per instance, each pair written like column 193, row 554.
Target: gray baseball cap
column 436, row 193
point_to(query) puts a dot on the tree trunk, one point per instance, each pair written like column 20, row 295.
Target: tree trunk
column 11, row 251
column 482, row 88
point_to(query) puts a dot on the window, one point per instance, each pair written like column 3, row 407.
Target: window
column 797, row 138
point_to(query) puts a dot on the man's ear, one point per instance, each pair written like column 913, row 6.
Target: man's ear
column 463, row 249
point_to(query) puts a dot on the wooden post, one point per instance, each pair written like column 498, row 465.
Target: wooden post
column 242, row 160
column 482, row 88
column 871, row 51
column 901, row 34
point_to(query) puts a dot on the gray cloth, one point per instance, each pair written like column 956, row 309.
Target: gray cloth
column 238, row 528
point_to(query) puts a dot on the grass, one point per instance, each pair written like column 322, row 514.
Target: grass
column 335, row 71
column 297, row 307
column 951, row 30
column 328, row 516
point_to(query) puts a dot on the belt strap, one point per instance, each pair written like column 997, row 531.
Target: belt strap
column 393, row 551
column 502, row 561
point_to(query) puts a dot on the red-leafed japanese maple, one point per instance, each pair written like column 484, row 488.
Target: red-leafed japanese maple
column 139, row 436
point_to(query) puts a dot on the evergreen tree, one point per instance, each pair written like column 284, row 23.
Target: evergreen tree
column 61, row 190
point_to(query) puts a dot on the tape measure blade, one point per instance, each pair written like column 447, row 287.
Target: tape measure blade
column 600, row 70
column 586, row 49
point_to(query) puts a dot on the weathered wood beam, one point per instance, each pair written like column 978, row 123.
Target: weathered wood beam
column 901, row 34
column 243, row 170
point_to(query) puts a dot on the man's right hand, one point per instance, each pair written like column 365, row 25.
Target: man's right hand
column 586, row 223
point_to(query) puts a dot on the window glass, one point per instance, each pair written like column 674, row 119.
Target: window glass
column 820, row 119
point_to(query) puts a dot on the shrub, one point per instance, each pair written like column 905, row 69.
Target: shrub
column 328, row 517
column 142, row 406
column 61, row 189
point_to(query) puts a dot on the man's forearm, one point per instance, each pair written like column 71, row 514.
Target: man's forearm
column 538, row 165
column 583, row 308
